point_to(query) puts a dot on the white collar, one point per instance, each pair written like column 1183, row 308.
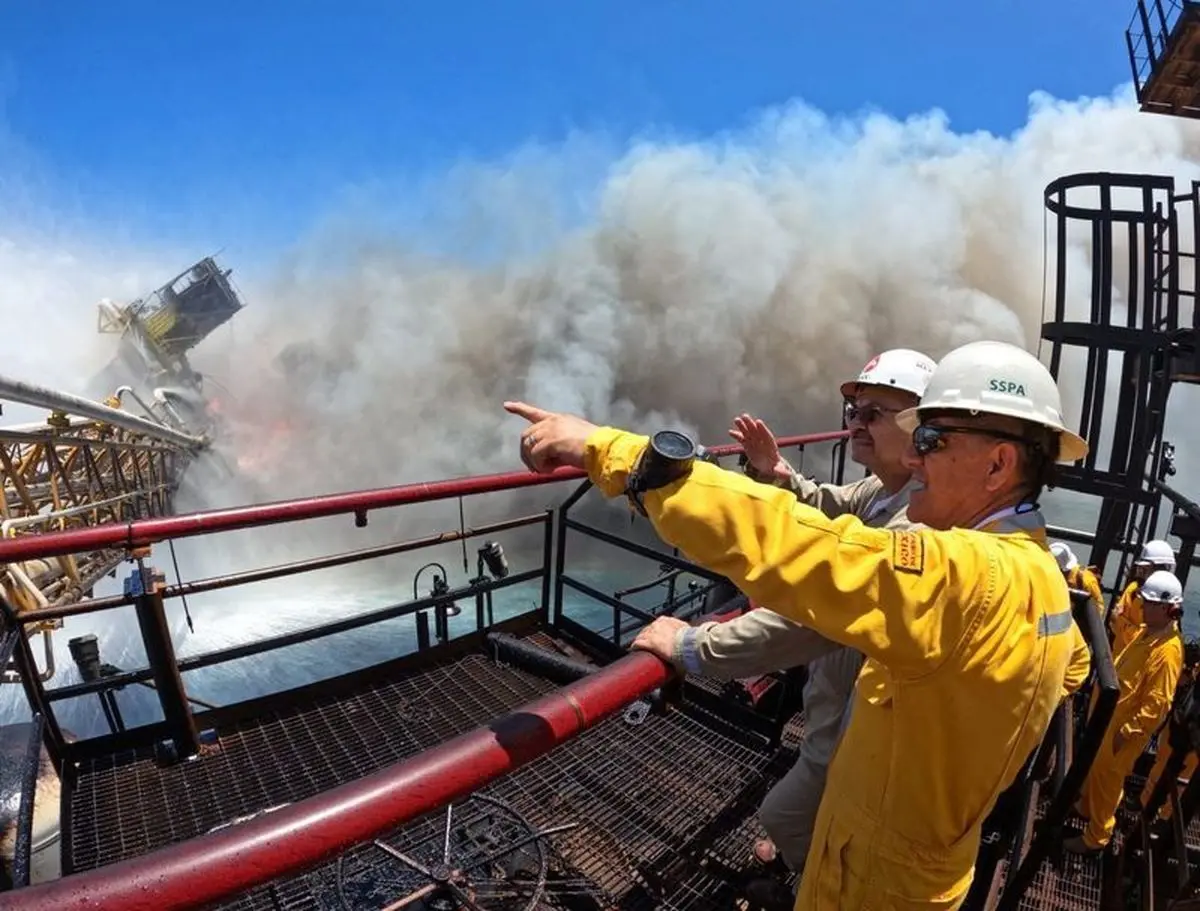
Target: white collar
column 881, row 505
column 1023, row 515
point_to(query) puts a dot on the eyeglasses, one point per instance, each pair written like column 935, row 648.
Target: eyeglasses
column 927, row 438
column 865, row 415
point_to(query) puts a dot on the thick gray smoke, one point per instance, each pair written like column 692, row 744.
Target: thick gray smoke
column 667, row 283
column 661, row 283
column 749, row 272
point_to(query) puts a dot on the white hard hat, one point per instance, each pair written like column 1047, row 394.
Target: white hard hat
column 898, row 368
column 997, row 378
column 1162, row 586
column 1064, row 555
column 1157, row 553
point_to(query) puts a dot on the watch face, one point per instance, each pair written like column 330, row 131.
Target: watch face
column 674, row 445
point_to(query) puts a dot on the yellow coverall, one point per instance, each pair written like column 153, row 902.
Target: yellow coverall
column 1148, row 670
column 1082, row 577
column 1127, row 618
column 760, row 641
column 967, row 637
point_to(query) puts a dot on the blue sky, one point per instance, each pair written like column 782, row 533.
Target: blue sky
column 244, row 122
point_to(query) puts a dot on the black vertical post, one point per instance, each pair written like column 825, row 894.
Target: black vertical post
column 560, row 556
column 560, row 565
column 23, row 849
column 441, row 626
column 481, row 611
column 422, row 630
column 547, row 567
column 1149, row 33
column 31, row 682
column 1187, row 552
column 1164, row 31
column 160, row 652
column 1137, row 77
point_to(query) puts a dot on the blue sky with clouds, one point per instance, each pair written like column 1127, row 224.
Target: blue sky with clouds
column 245, row 122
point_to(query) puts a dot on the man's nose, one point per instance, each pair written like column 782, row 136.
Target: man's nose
column 911, row 460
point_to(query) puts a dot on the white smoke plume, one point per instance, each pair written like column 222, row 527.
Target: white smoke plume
column 748, row 272
column 664, row 283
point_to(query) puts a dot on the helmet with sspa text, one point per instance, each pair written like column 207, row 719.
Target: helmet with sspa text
column 1001, row 379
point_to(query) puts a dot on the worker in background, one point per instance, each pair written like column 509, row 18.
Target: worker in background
column 1126, row 620
column 1187, row 678
column 1082, row 578
column 1148, row 669
column 761, row 641
column 967, row 632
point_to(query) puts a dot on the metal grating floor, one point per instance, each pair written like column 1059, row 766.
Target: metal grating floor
column 662, row 811
column 1073, row 883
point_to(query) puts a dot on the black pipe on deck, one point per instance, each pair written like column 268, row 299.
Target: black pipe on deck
column 553, row 667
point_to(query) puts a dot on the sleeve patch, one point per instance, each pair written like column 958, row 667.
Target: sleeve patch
column 908, row 552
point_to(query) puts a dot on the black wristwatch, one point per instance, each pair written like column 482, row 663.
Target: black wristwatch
column 668, row 458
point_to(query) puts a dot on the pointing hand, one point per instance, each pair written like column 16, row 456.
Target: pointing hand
column 551, row 440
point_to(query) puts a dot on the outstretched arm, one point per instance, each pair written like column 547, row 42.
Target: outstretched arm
column 832, row 575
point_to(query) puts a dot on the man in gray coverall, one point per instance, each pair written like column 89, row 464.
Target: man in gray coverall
column 761, row 641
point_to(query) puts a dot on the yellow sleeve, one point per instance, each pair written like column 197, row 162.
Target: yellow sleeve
column 831, row 575
column 1092, row 586
column 1081, row 662
column 1156, row 691
column 1126, row 620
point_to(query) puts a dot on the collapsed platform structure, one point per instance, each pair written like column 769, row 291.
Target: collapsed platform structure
column 120, row 459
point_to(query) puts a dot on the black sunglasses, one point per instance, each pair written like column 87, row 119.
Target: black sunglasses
column 865, row 415
column 927, row 438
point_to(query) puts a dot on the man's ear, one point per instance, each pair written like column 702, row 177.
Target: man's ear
column 1004, row 462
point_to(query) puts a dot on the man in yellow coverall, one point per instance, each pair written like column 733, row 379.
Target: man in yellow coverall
column 1126, row 620
column 761, row 641
column 1187, row 677
column 1148, row 669
column 967, row 632
column 1078, row 577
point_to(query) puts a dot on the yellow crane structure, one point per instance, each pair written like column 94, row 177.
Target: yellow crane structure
column 95, row 462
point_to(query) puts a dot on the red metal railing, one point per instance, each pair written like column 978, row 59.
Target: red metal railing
column 144, row 532
column 219, row 865
column 212, row 867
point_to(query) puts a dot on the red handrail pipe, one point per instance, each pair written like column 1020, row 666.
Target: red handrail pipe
column 144, row 532
column 219, row 865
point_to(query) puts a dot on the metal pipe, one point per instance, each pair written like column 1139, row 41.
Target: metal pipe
column 218, row 865
column 37, row 518
column 214, row 583
column 144, row 532
column 160, row 655
column 552, row 666
column 121, row 392
column 18, row 391
column 22, row 578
